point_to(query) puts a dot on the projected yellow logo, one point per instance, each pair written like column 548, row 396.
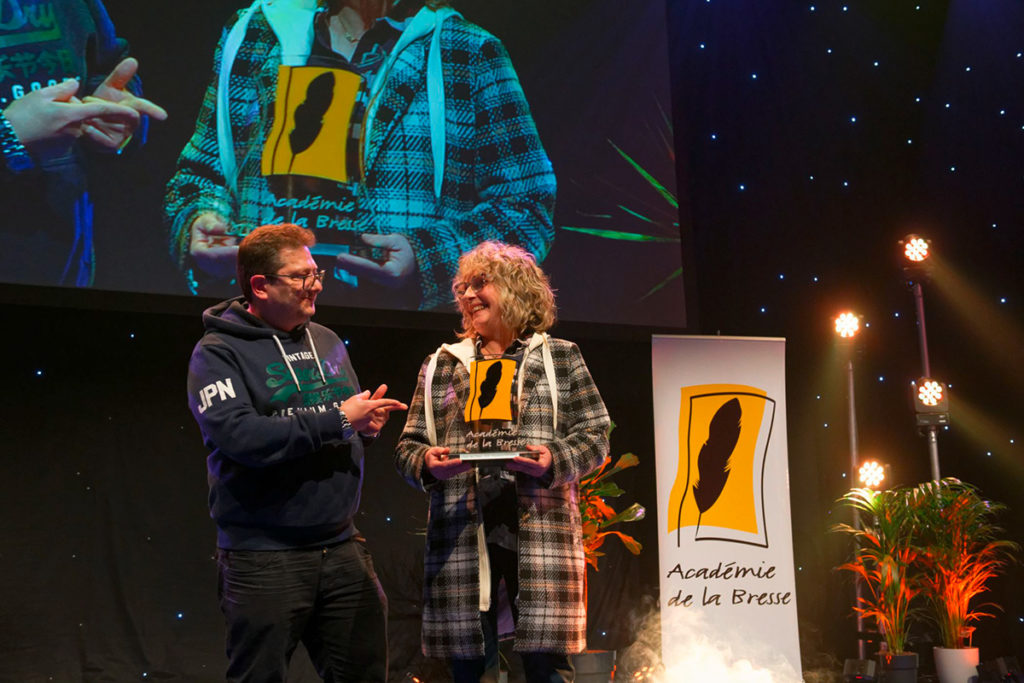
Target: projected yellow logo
column 490, row 389
column 724, row 431
column 311, row 117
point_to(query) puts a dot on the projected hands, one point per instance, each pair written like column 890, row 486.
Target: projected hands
column 215, row 249
column 113, row 132
column 212, row 246
column 48, row 121
column 398, row 266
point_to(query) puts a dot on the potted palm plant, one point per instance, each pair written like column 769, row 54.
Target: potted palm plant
column 960, row 548
column 597, row 516
column 883, row 559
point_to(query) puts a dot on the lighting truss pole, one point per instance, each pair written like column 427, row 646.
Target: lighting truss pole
column 847, row 325
column 857, row 587
column 932, row 431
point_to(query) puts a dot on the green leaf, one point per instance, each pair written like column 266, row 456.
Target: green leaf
column 637, row 214
column 662, row 190
column 620, row 235
column 632, row 545
column 627, row 460
column 677, row 273
column 634, row 513
column 608, row 489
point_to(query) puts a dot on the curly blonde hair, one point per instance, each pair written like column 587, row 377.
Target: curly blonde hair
column 525, row 296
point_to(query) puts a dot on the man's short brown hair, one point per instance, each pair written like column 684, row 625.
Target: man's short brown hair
column 260, row 251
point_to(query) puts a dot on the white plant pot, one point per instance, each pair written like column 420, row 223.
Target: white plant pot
column 956, row 665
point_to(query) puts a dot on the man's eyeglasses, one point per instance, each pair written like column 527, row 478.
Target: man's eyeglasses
column 307, row 279
column 477, row 282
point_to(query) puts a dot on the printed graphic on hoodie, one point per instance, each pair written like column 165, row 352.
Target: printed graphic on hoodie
column 32, row 52
column 314, row 394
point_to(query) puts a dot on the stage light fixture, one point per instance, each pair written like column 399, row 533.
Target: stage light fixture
column 931, row 402
column 858, row 670
column 847, row 325
column 930, row 393
column 915, row 249
column 872, row 474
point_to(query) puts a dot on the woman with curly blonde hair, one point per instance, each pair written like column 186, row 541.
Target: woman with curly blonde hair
column 502, row 426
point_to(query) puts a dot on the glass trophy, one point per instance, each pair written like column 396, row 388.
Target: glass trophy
column 491, row 410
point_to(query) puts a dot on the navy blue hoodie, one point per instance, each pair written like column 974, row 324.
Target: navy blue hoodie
column 282, row 471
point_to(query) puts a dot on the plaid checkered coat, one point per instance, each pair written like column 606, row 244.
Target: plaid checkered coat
column 498, row 181
column 552, row 615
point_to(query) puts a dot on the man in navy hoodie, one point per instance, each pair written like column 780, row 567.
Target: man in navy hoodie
column 280, row 408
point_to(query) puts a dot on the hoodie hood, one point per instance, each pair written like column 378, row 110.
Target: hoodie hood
column 465, row 350
column 232, row 317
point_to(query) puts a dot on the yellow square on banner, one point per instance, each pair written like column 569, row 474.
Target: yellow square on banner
column 721, row 430
column 490, row 389
column 311, row 117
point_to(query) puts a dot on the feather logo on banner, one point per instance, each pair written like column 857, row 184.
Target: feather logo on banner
column 713, row 462
column 489, row 387
column 309, row 115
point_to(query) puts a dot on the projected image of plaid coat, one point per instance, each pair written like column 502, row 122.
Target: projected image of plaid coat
column 552, row 616
column 498, row 181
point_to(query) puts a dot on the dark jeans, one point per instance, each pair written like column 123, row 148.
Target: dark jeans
column 328, row 598
column 539, row 667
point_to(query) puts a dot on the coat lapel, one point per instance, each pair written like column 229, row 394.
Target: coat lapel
column 533, row 369
column 404, row 81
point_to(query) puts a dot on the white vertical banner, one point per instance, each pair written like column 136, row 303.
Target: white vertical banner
column 725, row 541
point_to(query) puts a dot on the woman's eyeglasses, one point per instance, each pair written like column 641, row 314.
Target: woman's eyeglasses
column 477, row 282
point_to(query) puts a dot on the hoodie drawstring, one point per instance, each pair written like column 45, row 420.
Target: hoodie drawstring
column 316, row 357
column 287, row 362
